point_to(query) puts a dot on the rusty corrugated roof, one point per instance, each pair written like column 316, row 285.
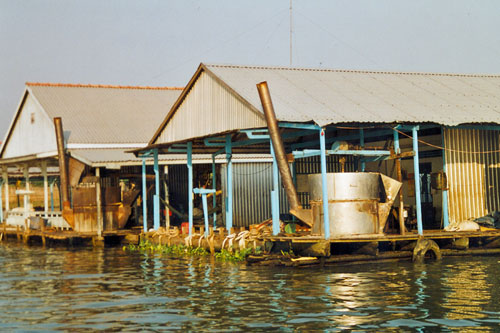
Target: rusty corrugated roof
column 101, row 114
column 341, row 96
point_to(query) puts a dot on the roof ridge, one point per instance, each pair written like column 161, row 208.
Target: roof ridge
column 351, row 71
column 78, row 85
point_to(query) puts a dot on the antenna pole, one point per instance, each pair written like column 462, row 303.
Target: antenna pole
column 291, row 31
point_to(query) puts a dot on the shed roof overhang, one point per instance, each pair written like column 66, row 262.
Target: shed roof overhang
column 30, row 159
column 294, row 135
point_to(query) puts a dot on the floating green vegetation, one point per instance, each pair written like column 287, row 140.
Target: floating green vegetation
column 147, row 246
column 180, row 250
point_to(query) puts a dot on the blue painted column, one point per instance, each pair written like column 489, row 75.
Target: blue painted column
column 204, row 193
column 416, row 170
column 156, row 199
column 229, row 199
column 144, row 197
column 214, row 187
column 326, row 215
column 275, row 201
column 446, row 219
column 362, row 144
column 190, row 185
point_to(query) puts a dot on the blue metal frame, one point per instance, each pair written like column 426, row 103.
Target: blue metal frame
column 275, row 202
column 350, row 137
column 214, row 187
column 324, row 184
column 204, row 193
column 362, row 145
column 416, row 170
column 190, row 185
column 445, row 213
column 156, row 198
column 311, row 127
column 313, row 152
column 144, row 197
column 229, row 190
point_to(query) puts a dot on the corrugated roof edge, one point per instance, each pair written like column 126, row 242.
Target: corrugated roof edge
column 351, row 71
column 73, row 85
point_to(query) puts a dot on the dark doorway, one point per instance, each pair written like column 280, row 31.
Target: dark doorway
column 428, row 211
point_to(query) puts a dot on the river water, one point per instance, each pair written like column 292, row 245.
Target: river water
column 108, row 289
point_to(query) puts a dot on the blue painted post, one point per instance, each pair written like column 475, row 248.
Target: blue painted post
column 190, row 185
column 214, row 187
column 362, row 144
column 397, row 150
column 446, row 219
column 205, row 212
column 275, row 205
column 416, row 170
column 144, row 197
column 204, row 193
column 324, row 184
column 229, row 199
column 156, row 199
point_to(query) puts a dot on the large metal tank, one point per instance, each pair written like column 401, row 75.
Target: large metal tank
column 358, row 203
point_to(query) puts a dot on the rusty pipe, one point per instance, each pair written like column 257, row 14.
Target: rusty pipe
column 63, row 167
column 279, row 152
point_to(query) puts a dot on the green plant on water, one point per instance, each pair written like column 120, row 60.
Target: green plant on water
column 147, row 246
column 237, row 255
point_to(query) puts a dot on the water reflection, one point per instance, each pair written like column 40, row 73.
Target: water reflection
column 108, row 289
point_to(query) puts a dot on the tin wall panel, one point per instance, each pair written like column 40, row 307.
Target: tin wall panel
column 472, row 166
column 252, row 185
column 178, row 186
column 312, row 164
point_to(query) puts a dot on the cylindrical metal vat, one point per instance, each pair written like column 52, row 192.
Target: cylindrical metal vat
column 353, row 200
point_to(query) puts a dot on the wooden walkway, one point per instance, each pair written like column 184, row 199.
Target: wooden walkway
column 409, row 236
column 44, row 234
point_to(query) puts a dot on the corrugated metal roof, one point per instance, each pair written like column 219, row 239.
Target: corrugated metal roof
column 99, row 157
column 339, row 96
column 103, row 113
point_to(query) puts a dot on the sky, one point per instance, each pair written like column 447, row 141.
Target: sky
column 161, row 43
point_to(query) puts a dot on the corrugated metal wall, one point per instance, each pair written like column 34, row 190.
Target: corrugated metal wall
column 215, row 109
column 178, row 186
column 252, row 185
column 473, row 178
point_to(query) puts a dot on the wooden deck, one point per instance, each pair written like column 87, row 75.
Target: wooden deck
column 409, row 236
column 57, row 234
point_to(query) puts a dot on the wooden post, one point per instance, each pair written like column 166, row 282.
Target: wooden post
column 26, row 171
column 42, row 228
column 165, row 186
column 5, row 176
column 98, row 202
column 45, row 188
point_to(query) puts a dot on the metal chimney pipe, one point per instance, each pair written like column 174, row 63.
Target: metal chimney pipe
column 279, row 152
column 63, row 167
